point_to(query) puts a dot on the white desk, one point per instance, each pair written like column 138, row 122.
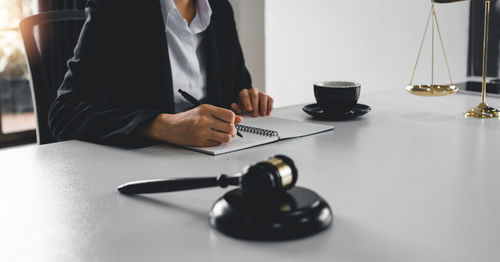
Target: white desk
column 411, row 181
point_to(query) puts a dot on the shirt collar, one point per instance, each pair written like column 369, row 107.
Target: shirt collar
column 203, row 14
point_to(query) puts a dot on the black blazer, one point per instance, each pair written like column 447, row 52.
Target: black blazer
column 120, row 77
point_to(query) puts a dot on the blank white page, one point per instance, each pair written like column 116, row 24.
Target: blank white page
column 286, row 128
column 236, row 143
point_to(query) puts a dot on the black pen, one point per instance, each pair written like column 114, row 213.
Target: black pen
column 196, row 102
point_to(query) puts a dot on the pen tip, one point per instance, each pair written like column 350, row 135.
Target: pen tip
column 123, row 189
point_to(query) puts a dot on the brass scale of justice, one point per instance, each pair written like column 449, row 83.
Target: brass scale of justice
column 483, row 110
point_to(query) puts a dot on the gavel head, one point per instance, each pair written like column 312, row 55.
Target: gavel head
column 270, row 177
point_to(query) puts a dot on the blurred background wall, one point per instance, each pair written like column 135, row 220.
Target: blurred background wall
column 290, row 44
column 372, row 42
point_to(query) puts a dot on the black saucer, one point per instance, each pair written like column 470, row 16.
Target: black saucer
column 318, row 113
column 298, row 213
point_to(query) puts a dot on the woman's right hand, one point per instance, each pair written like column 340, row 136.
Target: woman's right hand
column 202, row 126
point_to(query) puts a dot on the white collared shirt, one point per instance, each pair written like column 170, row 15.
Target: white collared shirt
column 187, row 58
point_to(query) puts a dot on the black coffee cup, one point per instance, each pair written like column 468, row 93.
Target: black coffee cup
column 337, row 96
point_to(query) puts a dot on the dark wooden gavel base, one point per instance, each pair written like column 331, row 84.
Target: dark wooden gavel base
column 298, row 213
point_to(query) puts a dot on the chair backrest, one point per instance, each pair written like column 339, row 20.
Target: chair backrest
column 49, row 39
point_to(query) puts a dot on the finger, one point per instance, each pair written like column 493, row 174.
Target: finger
column 254, row 96
column 242, row 107
column 238, row 120
column 262, row 104
column 225, row 128
column 270, row 102
column 219, row 137
column 236, row 108
column 222, row 114
column 245, row 100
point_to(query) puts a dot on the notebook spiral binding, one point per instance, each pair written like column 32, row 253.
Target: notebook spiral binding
column 256, row 130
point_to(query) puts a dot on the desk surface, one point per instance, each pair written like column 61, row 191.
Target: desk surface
column 411, row 181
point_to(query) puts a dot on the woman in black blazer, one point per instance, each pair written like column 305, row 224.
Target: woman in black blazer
column 119, row 90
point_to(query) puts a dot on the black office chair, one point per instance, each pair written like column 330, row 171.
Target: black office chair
column 49, row 39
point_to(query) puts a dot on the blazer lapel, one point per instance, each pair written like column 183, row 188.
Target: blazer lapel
column 214, row 90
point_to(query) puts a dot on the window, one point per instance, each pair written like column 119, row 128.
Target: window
column 16, row 107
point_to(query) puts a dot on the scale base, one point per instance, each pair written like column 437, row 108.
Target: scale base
column 298, row 213
column 483, row 111
column 432, row 90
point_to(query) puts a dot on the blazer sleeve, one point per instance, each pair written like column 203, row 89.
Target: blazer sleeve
column 80, row 110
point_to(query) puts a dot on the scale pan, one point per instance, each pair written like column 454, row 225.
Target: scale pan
column 432, row 90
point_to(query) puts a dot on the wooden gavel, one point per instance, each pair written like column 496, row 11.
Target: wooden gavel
column 273, row 176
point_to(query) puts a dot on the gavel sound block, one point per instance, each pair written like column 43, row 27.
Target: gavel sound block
column 297, row 213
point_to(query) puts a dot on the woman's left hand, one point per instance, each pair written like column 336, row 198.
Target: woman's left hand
column 254, row 102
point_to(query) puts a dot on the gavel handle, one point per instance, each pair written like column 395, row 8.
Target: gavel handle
column 172, row 185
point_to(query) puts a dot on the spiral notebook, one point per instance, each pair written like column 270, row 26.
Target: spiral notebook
column 264, row 130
